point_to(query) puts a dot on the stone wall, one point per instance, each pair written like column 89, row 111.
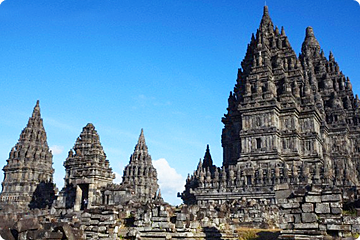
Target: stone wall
column 315, row 212
column 37, row 224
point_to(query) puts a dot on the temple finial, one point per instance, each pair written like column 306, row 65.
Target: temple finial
column 266, row 24
column 266, row 10
column 310, row 44
column 36, row 111
column 141, row 137
column 282, row 31
column 309, row 32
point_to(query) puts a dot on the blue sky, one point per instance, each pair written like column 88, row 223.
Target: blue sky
column 166, row 66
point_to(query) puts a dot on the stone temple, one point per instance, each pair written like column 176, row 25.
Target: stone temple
column 290, row 169
column 290, row 119
column 29, row 167
column 87, row 170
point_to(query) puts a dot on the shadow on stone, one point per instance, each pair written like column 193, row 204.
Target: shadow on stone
column 267, row 235
column 69, row 193
column 44, row 196
column 212, row 233
column 129, row 222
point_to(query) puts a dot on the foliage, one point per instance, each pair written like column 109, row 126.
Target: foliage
column 257, row 234
column 356, row 235
column 351, row 212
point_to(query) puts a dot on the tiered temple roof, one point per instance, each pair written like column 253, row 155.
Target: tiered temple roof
column 87, row 170
column 140, row 175
column 87, row 159
column 29, row 164
column 289, row 120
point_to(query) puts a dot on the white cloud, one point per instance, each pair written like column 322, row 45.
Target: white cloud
column 56, row 150
column 170, row 181
column 118, row 177
column 1, row 1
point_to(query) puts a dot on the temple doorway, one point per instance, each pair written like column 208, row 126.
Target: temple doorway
column 84, row 195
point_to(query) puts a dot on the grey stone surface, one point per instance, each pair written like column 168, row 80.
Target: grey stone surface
column 308, row 217
column 28, row 174
column 322, row 208
column 307, row 207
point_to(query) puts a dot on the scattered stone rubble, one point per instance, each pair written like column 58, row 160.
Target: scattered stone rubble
column 290, row 168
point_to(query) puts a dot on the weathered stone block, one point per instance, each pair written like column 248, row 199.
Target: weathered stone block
column 338, row 227
column 163, row 225
column 300, row 192
column 94, row 222
column 296, row 210
column 194, row 225
column 351, row 219
column 308, row 217
column 286, row 226
column 336, row 204
column 322, row 208
column 306, row 225
column 27, row 224
column 160, row 219
column 315, row 188
column 288, row 218
column 86, row 215
column 336, row 210
column 181, row 217
column 103, row 235
column 355, row 228
column 307, row 207
column 179, row 224
column 85, row 219
column 155, row 225
column 312, row 199
column 290, row 205
column 297, row 199
column 155, row 212
column 282, row 194
column 102, row 229
column 322, row 227
column 163, row 213
column 283, row 186
column 332, row 220
column 6, row 234
column 331, row 198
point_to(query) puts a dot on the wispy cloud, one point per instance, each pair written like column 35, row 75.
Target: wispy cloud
column 1, row 1
column 143, row 101
column 56, row 150
column 55, row 123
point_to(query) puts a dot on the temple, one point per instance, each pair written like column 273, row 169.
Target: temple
column 139, row 181
column 87, row 170
column 290, row 120
column 28, row 168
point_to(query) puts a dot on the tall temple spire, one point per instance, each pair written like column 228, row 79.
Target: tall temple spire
column 29, row 164
column 208, row 162
column 140, row 176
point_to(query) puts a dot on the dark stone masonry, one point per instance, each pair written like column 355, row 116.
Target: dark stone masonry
column 290, row 164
